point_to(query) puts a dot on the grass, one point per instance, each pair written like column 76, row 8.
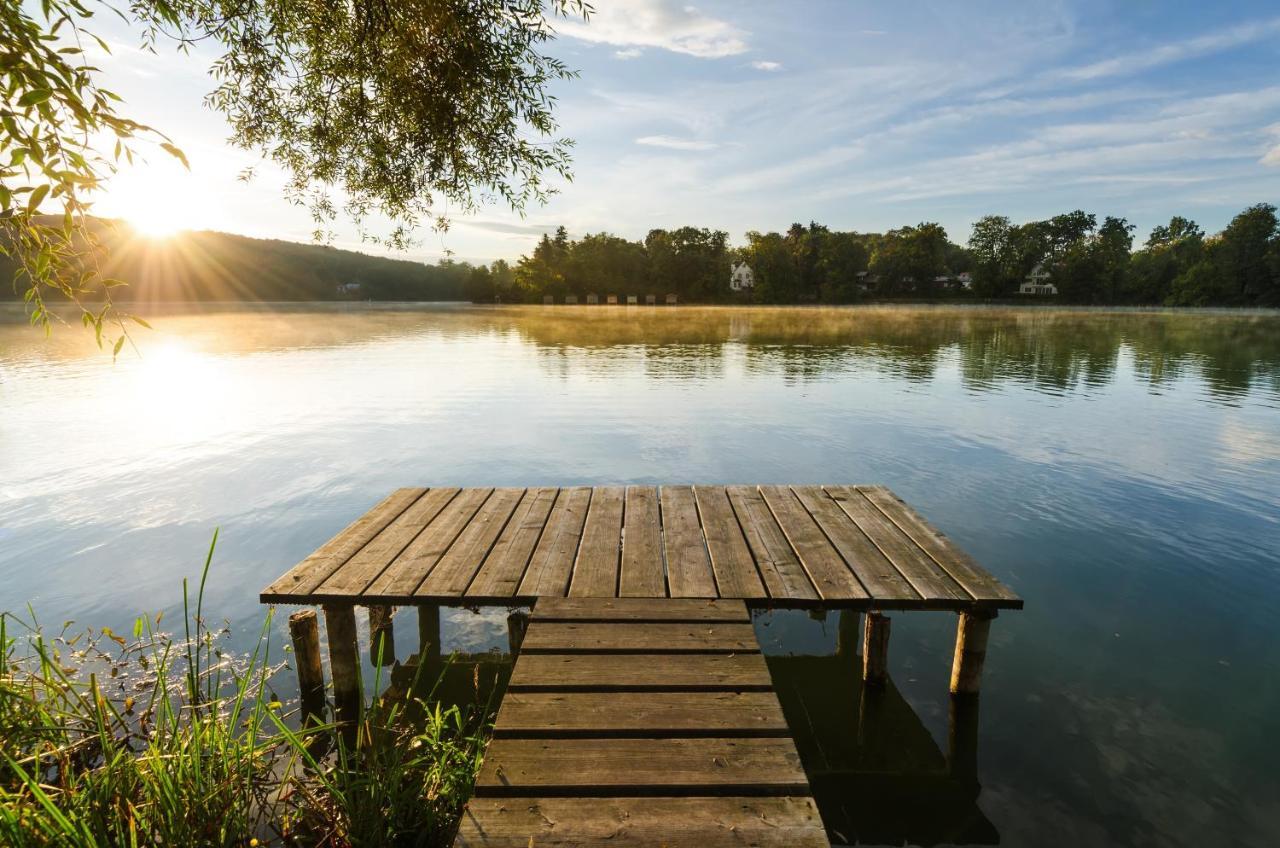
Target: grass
column 154, row 740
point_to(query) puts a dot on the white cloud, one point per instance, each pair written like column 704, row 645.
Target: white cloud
column 672, row 143
column 1272, row 157
column 664, row 24
column 767, row 66
column 1176, row 52
column 629, row 53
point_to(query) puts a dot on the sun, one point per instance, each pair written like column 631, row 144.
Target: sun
column 155, row 200
column 154, row 223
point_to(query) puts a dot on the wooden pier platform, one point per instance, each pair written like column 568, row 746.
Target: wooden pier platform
column 633, row 722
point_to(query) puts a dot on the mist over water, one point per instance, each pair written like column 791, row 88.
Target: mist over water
column 1120, row 470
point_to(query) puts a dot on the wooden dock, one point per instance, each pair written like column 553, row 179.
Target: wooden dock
column 640, row 710
column 679, row 742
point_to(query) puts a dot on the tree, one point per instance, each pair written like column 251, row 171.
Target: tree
column 690, row 261
column 909, row 260
column 776, row 276
column 1247, row 255
column 990, row 244
column 1170, row 251
column 385, row 104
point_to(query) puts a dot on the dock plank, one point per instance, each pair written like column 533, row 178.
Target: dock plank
column 932, row 583
column 697, row 822
column 873, row 568
column 416, row 561
column 595, row 573
column 688, row 564
column 780, row 568
column 972, row 577
column 601, row 714
column 640, row 672
column 552, row 563
column 640, row 609
column 829, row 572
column 731, row 560
column 453, row 574
column 503, row 568
column 307, row 575
column 638, row 637
column 603, row 767
column 643, row 575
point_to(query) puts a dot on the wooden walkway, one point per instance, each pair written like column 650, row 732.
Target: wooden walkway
column 835, row 546
column 634, row 722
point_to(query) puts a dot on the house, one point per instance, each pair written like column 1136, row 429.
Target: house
column 547, row 300
column 671, row 300
column 741, row 277
column 592, row 299
column 964, row 280
column 631, row 300
column 349, row 289
column 571, row 299
column 612, row 300
column 650, row 299
column 1037, row 282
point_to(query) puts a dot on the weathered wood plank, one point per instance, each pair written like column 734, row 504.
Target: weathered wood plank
column 362, row 569
column 640, row 609
column 453, row 574
column 731, row 560
column 879, row 576
column 403, row 576
column 552, row 561
column 599, row 714
column 304, row 577
column 640, row 672
column 500, row 574
column 827, row 569
column 783, row 575
column 973, row 578
column 689, row 571
column 731, row 822
column 639, row 637
column 600, row 767
column 924, row 575
column 642, row 570
column 595, row 574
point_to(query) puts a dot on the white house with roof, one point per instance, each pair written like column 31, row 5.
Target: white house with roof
column 741, row 277
column 1037, row 282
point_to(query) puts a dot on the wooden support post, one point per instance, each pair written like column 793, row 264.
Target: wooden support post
column 962, row 738
column 428, row 633
column 875, row 648
column 381, row 636
column 847, row 634
column 344, row 665
column 304, row 629
column 971, row 651
column 517, row 623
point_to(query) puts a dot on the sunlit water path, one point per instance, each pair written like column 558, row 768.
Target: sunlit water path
column 1121, row 471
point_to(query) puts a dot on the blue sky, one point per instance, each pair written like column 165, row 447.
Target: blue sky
column 864, row 116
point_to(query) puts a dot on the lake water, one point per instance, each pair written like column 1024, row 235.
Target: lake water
column 1121, row 471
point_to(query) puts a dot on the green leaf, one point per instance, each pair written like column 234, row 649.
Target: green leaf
column 176, row 153
column 33, row 202
column 116, row 350
column 34, row 96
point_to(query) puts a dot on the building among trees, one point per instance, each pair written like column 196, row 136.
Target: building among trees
column 741, row 277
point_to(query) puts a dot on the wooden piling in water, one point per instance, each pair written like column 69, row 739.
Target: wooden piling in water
column 382, row 639
column 304, row 630
column 849, row 630
column 875, row 648
column 344, row 665
column 971, row 651
column 428, row 632
column 517, row 623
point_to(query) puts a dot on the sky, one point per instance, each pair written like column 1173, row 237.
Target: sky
column 863, row 116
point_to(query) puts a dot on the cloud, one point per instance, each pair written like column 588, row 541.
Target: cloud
column 872, row 32
column 1272, row 157
column 663, row 24
column 629, row 53
column 767, row 66
column 1169, row 53
column 672, row 143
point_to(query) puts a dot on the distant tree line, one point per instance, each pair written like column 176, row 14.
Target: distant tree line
column 1087, row 263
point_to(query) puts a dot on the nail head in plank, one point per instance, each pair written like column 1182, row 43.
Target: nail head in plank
column 453, row 574
column 783, row 575
column 697, row 822
column 828, row 570
column 639, row 637
column 731, row 560
column 640, row 609
column 500, row 574
column 601, row 767
column 598, row 714
column 552, row 561
column 304, row 577
column 688, row 564
column 642, row 570
column 595, row 573
column 639, row 672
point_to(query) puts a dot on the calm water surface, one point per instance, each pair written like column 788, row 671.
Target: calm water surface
column 1121, row 471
